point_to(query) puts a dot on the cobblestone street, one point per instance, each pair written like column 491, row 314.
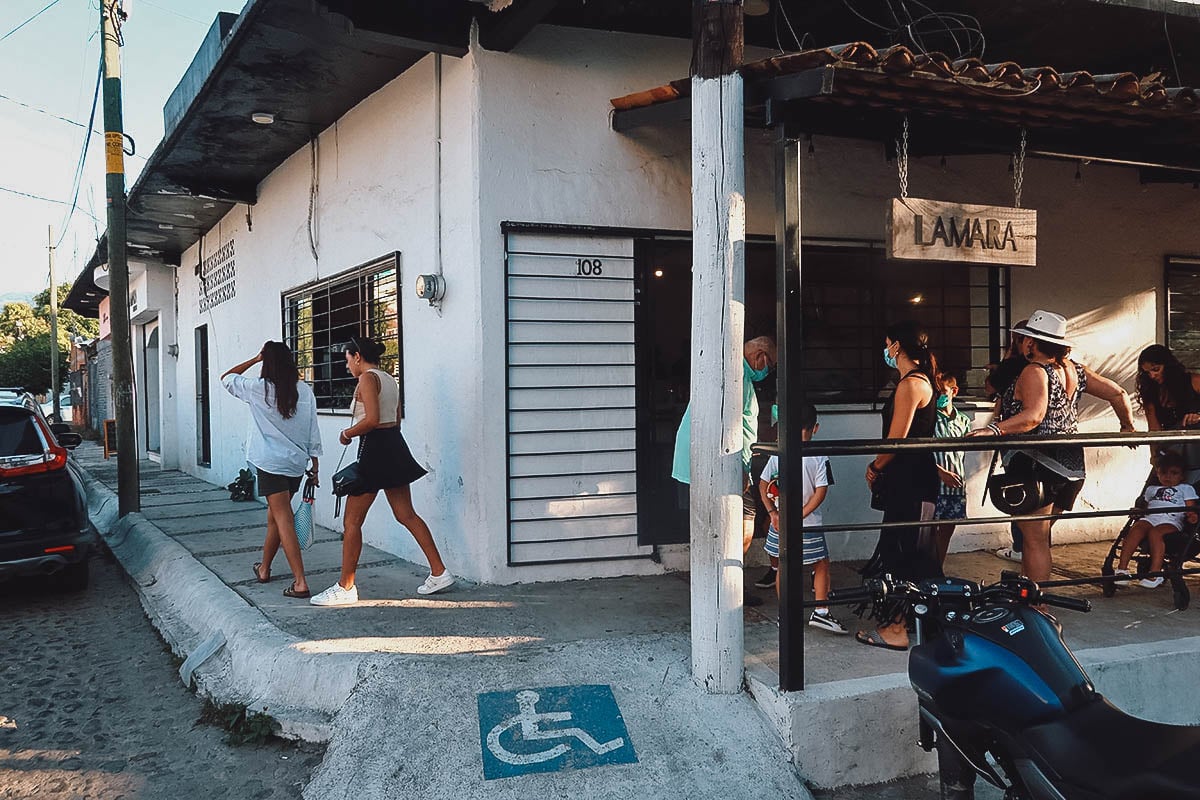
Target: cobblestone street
column 91, row 706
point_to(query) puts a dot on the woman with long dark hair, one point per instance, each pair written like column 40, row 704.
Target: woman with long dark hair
column 905, row 484
column 1169, row 396
column 283, row 446
column 1044, row 400
column 384, row 464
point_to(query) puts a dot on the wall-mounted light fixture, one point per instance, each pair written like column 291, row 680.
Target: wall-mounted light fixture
column 173, row 350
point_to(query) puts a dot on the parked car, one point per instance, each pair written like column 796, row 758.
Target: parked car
column 64, row 406
column 44, row 525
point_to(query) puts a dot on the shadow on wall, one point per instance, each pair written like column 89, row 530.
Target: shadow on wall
column 1108, row 340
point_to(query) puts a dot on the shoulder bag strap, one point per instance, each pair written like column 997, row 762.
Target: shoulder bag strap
column 991, row 471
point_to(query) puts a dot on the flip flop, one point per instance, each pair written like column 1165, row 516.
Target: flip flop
column 872, row 638
column 291, row 592
column 258, row 575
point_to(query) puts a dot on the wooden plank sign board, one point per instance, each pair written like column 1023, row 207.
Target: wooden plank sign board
column 110, row 437
column 932, row 230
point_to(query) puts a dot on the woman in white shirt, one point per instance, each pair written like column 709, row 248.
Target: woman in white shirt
column 384, row 464
column 283, row 439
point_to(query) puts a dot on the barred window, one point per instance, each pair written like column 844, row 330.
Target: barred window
column 851, row 293
column 320, row 318
column 1183, row 309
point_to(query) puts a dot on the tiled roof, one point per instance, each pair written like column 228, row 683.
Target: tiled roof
column 1000, row 80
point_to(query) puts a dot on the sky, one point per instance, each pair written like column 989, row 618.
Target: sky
column 49, row 70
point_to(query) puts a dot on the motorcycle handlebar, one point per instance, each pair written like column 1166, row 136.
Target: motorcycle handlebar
column 1071, row 603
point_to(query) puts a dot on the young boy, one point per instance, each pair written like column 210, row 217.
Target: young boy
column 950, row 423
column 1170, row 491
column 815, row 552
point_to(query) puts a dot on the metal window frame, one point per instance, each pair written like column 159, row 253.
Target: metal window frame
column 354, row 275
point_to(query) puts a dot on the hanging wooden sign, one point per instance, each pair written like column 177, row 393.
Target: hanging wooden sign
column 931, row 230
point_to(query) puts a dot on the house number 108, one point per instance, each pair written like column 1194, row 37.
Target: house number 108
column 589, row 266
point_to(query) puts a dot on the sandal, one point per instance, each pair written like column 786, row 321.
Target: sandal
column 873, row 638
column 291, row 592
column 258, row 575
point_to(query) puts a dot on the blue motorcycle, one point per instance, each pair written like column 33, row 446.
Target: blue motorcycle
column 1002, row 697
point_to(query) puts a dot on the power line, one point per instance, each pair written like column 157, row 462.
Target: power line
column 171, row 11
column 46, row 8
column 87, row 138
column 50, row 113
column 19, row 193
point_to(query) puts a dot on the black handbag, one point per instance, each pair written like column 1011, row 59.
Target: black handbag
column 347, row 480
column 1014, row 492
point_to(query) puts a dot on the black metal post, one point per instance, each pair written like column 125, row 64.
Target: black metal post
column 788, row 318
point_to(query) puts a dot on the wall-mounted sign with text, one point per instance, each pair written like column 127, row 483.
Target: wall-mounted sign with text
column 218, row 277
column 931, row 230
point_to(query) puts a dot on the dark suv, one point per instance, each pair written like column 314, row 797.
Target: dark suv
column 44, row 526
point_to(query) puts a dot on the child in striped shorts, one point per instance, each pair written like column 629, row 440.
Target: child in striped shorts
column 815, row 552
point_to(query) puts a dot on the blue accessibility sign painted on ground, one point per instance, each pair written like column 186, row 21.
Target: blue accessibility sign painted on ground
column 551, row 729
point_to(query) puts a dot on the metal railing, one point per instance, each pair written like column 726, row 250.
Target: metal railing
column 791, row 603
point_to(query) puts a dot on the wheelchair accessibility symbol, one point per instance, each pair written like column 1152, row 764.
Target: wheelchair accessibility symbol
column 551, row 729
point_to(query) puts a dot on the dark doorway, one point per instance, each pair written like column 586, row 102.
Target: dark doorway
column 664, row 354
column 203, row 424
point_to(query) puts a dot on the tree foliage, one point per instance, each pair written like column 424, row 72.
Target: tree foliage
column 25, row 340
column 26, row 363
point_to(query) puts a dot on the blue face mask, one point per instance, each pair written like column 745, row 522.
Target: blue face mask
column 759, row 375
column 888, row 358
column 943, row 402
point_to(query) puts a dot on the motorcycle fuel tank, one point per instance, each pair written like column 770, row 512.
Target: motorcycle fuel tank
column 1004, row 665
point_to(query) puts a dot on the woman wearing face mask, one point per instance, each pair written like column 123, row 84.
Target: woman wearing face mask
column 906, row 483
column 384, row 464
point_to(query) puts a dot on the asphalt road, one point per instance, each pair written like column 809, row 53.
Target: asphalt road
column 91, row 706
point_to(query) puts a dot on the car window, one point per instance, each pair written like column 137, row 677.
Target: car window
column 18, row 436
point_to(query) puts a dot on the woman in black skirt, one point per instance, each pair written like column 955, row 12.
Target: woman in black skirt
column 384, row 464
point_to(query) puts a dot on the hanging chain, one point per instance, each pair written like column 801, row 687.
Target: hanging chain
column 1019, row 170
column 902, row 159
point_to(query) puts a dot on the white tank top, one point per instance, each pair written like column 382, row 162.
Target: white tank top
column 389, row 399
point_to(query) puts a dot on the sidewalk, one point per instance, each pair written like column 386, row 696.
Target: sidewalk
column 395, row 679
column 395, row 682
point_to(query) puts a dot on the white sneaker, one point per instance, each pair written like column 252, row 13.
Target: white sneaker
column 1009, row 554
column 1150, row 583
column 335, row 596
column 1125, row 581
column 436, row 583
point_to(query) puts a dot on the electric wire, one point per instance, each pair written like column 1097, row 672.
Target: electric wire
column 45, row 8
column 83, row 152
column 31, row 196
column 67, row 120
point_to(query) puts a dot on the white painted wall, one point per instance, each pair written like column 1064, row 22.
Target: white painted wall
column 548, row 155
column 376, row 178
column 526, row 138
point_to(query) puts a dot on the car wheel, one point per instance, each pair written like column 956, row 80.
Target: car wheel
column 74, row 577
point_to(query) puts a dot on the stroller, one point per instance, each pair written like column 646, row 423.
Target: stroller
column 1181, row 547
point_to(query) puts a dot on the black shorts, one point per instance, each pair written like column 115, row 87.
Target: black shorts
column 269, row 483
column 1057, row 489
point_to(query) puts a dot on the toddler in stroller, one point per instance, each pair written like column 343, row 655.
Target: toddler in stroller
column 1166, row 535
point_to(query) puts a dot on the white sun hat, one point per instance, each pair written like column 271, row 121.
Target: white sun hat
column 1046, row 326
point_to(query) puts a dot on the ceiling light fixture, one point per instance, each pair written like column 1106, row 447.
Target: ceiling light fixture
column 262, row 118
column 166, row 226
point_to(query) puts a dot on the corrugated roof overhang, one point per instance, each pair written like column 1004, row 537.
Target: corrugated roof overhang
column 963, row 106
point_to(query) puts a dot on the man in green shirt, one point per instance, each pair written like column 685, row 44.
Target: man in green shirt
column 759, row 356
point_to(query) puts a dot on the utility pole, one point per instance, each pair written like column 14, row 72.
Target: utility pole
column 54, row 382
column 128, row 490
column 718, row 320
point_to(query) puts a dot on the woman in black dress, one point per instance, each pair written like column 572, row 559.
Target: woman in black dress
column 384, row 464
column 905, row 483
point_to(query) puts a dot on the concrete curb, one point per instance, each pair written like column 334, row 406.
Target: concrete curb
column 864, row 730
column 260, row 665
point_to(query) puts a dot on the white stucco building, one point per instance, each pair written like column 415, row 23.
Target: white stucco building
column 543, row 390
